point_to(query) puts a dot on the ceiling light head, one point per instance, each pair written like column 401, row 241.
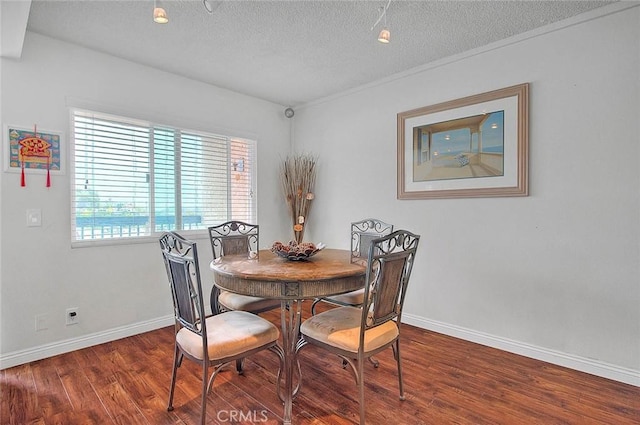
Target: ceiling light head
column 384, row 36
column 159, row 14
column 289, row 113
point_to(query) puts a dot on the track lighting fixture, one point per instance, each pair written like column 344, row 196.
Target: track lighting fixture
column 385, row 34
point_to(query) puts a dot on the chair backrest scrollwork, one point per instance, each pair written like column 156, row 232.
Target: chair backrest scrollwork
column 234, row 237
column 362, row 233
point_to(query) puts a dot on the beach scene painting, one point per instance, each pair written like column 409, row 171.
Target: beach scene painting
column 472, row 147
column 463, row 148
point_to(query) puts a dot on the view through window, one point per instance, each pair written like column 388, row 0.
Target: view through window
column 135, row 179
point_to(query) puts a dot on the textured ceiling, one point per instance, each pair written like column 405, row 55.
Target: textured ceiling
column 291, row 52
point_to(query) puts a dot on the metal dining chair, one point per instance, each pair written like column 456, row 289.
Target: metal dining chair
column 362, row 233
column 212, row 341
column 357, row 333
column 236, row 237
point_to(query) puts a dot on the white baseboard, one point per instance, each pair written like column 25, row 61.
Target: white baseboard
column 48, row 350
column 582, row 364
column 605, row 370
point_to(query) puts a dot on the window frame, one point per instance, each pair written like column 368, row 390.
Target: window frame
column 151, row 125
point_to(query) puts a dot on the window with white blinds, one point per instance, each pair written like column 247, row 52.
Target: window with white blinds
column 133, row 179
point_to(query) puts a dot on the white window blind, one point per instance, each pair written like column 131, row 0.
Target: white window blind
column 133, row 179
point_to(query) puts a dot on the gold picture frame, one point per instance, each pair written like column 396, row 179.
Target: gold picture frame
column 477, row 146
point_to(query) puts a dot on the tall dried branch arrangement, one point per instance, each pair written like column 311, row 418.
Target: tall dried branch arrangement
column 298, row 176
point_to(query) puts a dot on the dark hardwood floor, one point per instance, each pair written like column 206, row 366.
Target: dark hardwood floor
column 447, row 381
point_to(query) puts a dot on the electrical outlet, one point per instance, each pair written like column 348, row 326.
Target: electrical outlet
column 72, row 316
column 34, row 217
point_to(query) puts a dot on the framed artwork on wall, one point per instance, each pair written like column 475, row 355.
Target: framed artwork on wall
column 477, row 146
column 45, row 145
column 32, row 150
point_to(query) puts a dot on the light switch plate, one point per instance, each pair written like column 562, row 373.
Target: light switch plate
column 42, row 322
column 34, row 217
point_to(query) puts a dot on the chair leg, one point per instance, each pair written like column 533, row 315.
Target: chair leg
column 396, row 355
column 205, row 387
column 177, row 360
column 313, row 305
column 239, row 364
column 361, row 388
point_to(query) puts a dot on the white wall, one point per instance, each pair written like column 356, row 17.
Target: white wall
column 118, row 289
column 554, row 275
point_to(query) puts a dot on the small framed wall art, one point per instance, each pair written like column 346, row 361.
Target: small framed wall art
column 32, row 150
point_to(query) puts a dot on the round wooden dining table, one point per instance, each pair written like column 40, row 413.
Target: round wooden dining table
column 329, row 272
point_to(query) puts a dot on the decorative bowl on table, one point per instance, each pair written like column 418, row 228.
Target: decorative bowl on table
column 296, row 251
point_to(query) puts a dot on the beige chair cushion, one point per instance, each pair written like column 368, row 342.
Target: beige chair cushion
column 246, row 303
column 340, row 327
column 353, row 298
column 229, row 334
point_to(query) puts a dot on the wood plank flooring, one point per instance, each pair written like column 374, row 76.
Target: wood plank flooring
column 447, row 381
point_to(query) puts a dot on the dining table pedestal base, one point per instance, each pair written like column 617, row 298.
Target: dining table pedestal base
column 290, row 317
column 329, row 272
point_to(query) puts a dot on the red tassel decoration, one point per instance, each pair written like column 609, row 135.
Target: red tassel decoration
column 48, row 175
column 22, row 181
